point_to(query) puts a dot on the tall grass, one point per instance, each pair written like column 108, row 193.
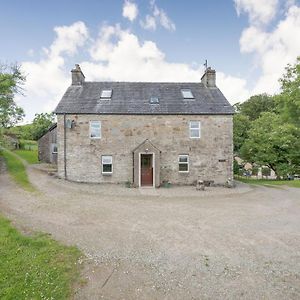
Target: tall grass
column 28, row 145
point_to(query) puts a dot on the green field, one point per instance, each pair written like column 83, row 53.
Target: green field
column 17, row 170
column 35, row 267
column 28, row 145
column 31, row 156
column 266, row 182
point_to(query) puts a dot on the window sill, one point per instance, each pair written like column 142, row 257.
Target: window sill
column 107, row 174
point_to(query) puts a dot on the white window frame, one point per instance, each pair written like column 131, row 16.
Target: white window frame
column 184, row 163
column 52, row 148
column 90, row 131
column 103, row 94
column 102, row 164
column 184, row 93
column 195, row 128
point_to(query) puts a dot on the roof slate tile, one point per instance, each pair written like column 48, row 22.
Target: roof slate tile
column 133, row 98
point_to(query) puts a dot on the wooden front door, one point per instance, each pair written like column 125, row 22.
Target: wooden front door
column 146, row 170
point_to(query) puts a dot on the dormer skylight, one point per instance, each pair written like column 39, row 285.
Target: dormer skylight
column 106, row 94
column 154, row 100
column 187, row 94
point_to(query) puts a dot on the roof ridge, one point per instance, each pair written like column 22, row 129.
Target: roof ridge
column 149, row 82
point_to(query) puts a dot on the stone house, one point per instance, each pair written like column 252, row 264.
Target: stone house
column 47, row 146
column 144, row 133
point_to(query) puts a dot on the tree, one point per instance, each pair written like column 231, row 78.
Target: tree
column 23, row 132
column 256, row 105
column 11, row 81
column 241, row 125
column 41, row 123
column 274, row 143
column 289, row 99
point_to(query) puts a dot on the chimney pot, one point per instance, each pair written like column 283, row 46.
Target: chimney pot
column 77, row 76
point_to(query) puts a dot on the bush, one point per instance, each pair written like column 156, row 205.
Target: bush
column 255, row 171
column 265, row 171
column 236, row 167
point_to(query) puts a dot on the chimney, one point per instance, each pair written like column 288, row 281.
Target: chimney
column 77, row 76
column 209, row 78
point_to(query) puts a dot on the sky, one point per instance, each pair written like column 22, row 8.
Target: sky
column 247, row 42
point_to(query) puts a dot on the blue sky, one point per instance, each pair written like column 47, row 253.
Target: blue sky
column 248, row 42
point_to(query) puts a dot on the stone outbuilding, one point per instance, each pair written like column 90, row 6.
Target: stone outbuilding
column 47, row 146
column 144, row 133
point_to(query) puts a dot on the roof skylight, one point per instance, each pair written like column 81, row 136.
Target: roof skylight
column 106, row 94
column 154, row 100
column 187, row 94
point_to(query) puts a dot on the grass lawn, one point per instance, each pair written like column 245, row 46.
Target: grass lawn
column 31, row 156
column 35, row 267
column 17, row 170
column 291, row 183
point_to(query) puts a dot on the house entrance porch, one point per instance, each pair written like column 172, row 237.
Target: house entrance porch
column 146, row 165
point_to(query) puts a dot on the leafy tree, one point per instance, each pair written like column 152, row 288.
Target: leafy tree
column 11, row 80
column 274, row 143
column 23, row 132
column 256, row 105
column 289, row 99
column 241, row 125
column 41, row 123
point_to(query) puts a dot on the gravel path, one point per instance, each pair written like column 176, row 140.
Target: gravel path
column 175, row 243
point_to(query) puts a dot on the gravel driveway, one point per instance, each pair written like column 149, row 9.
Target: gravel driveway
column 174, row 243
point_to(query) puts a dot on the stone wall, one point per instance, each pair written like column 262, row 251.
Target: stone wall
column 45, row 153
column 210, row 156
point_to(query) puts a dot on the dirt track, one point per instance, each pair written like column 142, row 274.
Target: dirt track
column 174, row 243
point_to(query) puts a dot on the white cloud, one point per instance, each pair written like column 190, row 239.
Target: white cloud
column 149, row 23
column 259, row 11
column 159, row 16
column 47, row 79
column 234, row 88
column 119, row 55
column 273, row 50
column 130, row 10
column 116, row 54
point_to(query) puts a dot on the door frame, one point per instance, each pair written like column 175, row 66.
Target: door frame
column 153, row 166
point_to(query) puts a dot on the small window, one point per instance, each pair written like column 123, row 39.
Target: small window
column 54, row 148
column 183, row 163
column 187, row 94
column 107, row 166
column 195, row 130
column 95, row 129
column 154, row 100
column 106, row 94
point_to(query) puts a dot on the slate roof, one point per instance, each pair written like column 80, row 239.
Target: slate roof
column 134, row 98
column 53, row 126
